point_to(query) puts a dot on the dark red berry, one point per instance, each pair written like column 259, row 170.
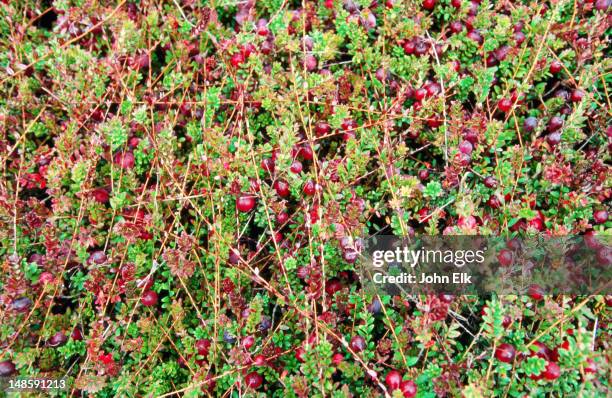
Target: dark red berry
column 100, row 195
column 248, row 342
column 237, row 59
column 577, row 95
column 466, row 147
column 57, row 339
column 202, row 346
column 553, row 138
column 322, row 128
column 490, row 182
column 555, row 124
column 357, row 344
column 7, row 368
column 505, row 353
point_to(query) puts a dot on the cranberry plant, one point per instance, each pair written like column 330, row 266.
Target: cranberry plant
column 186, row 186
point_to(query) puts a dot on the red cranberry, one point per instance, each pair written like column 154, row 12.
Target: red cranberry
column 602, row 5
column 305, row 152
column 300, row 354
column 322, row 128
column 237, row 59
column 555, row 67
column 409, row 47
column 337, row 358
column 429, row 4
column 555, row 124
column 393, row 380
column 125, row 160
column 519, row 37
column 310, row 62
column 97, row 257
column 590, row 367
column 535, row 292
column 282, row 218
column 552, row 371
column 57, row 339
column 540, row 350
column 357, row 344
column 408, row 388
column 268, row 165
column 505, row 257
column 7, row 368
column 309, row 188
column 253, row 380
column 456, row 3
column 248, row 342
column 282, row 188
column 149, row 298
column 466, row 147
column 456, row 26
column 577, row 95
column 505, row 353
column 296, row 167
column 76, row 334
column 100, row 195
column 600, row 216
column 530, row 124
column 245, row 203
column 423, row 174
column 202, row 346
column 504, row 105
column 475, row 36
column 553, row 139
column 490, row 182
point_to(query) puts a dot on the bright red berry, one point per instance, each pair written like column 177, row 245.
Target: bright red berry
column 408, row 388
column 504, row 105
column 282, row 188
column 552, row 371
column 429, row 4
column 309, row 188
column 393, row 380
column 245, row 203
column 555, row 67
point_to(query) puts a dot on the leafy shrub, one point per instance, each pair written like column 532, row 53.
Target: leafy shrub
column 184, row 183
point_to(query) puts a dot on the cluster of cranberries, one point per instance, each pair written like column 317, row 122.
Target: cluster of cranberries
column 394, row 381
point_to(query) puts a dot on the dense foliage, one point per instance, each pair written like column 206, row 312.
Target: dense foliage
column 185, row 183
